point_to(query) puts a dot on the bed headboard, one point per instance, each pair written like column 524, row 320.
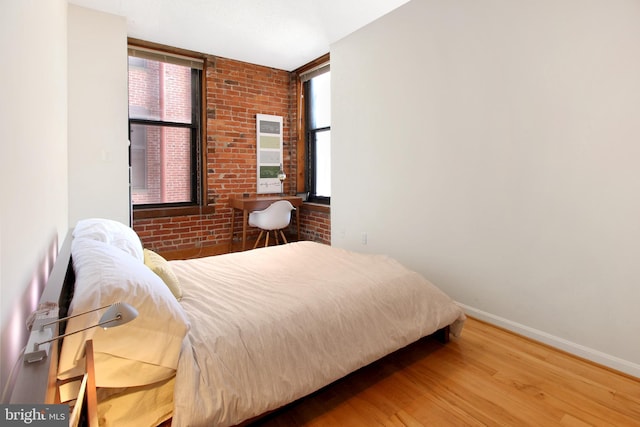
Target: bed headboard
column 36, row 382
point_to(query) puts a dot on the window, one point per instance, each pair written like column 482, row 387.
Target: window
column 317, row 95
column 164, row 129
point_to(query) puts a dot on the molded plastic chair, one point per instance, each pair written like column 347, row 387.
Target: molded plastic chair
column 274, row 218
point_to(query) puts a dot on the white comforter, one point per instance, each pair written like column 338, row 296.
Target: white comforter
column 271, row 325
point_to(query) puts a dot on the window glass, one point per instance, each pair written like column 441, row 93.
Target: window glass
column 321, row 101
column 159, row 91
column 164, row 132
column 160, row 164
column 323, row 163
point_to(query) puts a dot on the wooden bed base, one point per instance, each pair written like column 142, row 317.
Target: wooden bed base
column 36, row 382
column 443, row 335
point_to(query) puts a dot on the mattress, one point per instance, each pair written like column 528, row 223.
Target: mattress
column 271, row 325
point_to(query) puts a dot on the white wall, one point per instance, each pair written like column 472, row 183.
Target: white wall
column 33, row 141
column 33, row 159
column 493, row 145
column 63, row 142
column 48, row 184
column 98, row 116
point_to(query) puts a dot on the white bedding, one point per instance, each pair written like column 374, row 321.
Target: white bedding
column 269, row 326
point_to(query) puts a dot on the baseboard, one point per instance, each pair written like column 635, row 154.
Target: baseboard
column 578, row 350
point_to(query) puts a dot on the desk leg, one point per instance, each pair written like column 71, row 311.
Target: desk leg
column 245, row 216
column 233, row 218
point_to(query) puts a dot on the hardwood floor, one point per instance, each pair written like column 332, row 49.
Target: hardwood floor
column 487, row 377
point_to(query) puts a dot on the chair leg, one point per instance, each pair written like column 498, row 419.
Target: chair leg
column 275, row 234
column 266, row 241
column 258, row 239
column 284, row 239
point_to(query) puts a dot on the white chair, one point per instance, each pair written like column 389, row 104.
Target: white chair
column 274, row 218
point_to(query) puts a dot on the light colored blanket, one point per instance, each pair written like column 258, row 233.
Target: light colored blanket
column 272, row 325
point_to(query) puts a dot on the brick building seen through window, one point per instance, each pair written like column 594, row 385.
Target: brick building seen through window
column 164, row 132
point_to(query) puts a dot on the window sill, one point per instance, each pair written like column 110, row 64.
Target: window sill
column 169, row 212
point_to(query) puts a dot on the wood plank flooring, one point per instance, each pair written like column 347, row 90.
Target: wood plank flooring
column 487, row 377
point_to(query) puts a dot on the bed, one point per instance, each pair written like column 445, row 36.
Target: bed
column 224, row 339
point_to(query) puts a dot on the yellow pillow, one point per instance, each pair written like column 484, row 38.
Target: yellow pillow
column 161, row 267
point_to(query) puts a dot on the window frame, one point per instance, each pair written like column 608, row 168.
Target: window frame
column 306, row 136
column 199, row 204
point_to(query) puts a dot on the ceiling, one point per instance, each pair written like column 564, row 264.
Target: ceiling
column 283, row 34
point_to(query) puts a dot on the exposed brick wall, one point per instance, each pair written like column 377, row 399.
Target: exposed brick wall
column 169, row 234
column 315, row 224
column 235, row 93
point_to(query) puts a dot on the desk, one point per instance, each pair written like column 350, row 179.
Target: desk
column 249, row 204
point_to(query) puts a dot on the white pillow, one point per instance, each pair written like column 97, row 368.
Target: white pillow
column 112, row 232
column 143, row 351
